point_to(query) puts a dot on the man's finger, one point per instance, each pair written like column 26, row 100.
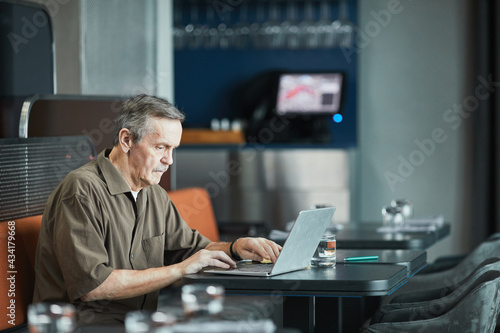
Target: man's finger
column 220, row 256
column 264, row 249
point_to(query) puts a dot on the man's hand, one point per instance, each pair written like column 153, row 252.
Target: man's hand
column 126, row 283
column 204, row 258
column 257, row 249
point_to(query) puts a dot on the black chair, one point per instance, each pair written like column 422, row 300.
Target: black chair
column 441, row 295
column 490, row 264
column 446, row 262
column 419, row 283
column 472, row 308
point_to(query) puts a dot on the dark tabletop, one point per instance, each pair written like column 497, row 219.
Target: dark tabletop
column 121, row 329
column 366, row 236
column 343, row 280
column 414, row 260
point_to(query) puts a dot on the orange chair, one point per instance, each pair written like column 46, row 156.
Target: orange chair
column 195, row 206
column 18, row 241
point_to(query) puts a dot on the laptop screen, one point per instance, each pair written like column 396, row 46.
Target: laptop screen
column 309, row 93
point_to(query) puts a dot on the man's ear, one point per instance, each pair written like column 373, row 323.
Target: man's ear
column 125, row 140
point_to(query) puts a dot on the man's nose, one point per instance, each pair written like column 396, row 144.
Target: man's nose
column 168, row 157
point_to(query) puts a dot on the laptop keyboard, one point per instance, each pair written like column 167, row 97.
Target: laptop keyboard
column 264, row 268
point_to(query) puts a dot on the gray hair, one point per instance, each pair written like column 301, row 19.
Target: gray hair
column 136, row 113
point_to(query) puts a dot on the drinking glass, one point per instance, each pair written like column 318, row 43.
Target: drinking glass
column 51, row 318
column 308, row 32
column 270, row 31
column 209, row 32
column 344, row 29
column 326, row 252
column 325, row 27
column 179, row 30
column 194, row 28
column 149, row 322
column 241, row 28
column 290, row 27
column 256, row 33
column 393, row 217
column 202, row 301
column 405, row 205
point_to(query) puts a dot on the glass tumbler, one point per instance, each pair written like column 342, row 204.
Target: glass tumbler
column 393, row 217
column 405, row 205
column 51, row 318
column 202, row 301
column 149, row 321
column 326, row 252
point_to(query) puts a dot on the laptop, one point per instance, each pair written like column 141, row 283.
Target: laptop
column 297, row 251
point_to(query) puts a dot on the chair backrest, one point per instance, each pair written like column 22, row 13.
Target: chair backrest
column 195, row 206
column 490, row 264
column 411, row 311
column 18, row 241
column 476, row 312
column 31, row 168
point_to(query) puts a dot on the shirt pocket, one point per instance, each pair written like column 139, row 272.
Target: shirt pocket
column 153, row 250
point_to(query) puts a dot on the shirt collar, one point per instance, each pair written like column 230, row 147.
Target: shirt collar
column 113, row 178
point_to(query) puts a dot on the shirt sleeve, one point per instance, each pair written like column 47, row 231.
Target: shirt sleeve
column 79, row 245
column 181, row 241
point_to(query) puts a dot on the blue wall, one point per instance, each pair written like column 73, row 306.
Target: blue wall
column 205, row 80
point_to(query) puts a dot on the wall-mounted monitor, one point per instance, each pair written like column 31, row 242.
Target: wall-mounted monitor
column 309, row 93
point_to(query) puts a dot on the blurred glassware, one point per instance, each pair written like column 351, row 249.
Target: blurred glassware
column 256, row 35
column 179, row 30
column 194, row 29
column 242, row 28
column 215, row 124
column 325, row 27
column 283, row 27
column 224, row 34
column 270, row 31
column 405, row 205
column 225, row 124
column 393, row 218
column 326, row 252
column 149, row 322
column 308, row 30
column 209, row 32
column 202, row 302
column 344, row 30
column 51, row 318
column 290, row 27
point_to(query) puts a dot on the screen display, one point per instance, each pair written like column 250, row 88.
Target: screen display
column 307, row 93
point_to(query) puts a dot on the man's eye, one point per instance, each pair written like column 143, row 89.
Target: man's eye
column 160, row 147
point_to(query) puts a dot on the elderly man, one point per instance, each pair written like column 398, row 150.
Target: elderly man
column 111, row 237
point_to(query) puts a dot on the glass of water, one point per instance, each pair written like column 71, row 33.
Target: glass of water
column 393, row 217
column 51, row 318
column 202, row 301
column 326, row 252
column 149, row 321
column 405, row 205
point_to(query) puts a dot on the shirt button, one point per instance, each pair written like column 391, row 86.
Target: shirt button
column 132, row 256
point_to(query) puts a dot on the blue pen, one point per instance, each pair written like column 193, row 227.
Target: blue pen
column 361, row 258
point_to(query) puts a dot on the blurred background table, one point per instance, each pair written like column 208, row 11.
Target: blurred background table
column 366, row 236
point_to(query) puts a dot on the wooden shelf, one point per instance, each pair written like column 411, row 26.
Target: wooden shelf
column 207, row 136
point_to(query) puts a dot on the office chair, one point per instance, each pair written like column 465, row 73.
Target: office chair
column 446, row 262
column 490, row 264
column 419, row 283
column 440, row 299
column 195, row 207
column 473, row 309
